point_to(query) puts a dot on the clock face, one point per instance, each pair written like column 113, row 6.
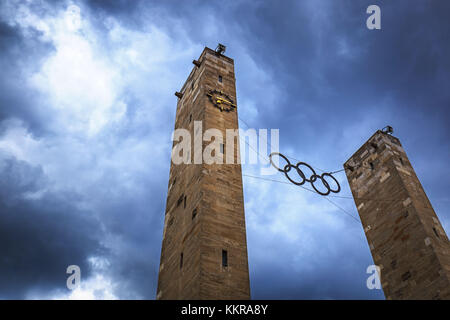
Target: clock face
column 221, row 100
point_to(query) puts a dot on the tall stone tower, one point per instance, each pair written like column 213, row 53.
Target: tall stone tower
column 405, row 236
column 204, row 248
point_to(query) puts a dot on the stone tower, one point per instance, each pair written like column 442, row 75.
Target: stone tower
column 405, row 236
column 204, row 248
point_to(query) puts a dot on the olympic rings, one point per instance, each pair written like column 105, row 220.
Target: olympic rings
column 312, row 179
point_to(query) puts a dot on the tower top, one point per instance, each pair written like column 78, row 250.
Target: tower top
column 388, row 130
column 221, row 48
column 218, row 52
column 197, row 64
column 384, row 134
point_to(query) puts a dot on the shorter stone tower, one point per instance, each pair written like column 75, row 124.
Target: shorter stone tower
column 405, row 236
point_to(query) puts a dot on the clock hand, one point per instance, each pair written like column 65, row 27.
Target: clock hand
column 219, row 100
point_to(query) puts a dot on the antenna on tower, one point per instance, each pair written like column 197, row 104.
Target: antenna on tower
column 388, row 130
column 221, row 48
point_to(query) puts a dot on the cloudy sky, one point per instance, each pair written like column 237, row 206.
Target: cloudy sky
column 87, row 110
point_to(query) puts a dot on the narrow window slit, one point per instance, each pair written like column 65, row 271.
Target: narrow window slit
column 224, row 258
column 435, row 232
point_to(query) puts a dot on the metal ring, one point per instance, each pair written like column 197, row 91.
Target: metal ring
column 300, row 173
column 313, row 176
column 337, row 183
column 325, row 183
column 282, row 156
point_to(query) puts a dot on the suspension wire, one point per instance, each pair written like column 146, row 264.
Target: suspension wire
column 292, row 158
column 310, row 190
column 337, row 171
column 284, row 182
column 347, row 213
column 273, row 180
column 329, row 196
column 332, row 202
column 266, row 159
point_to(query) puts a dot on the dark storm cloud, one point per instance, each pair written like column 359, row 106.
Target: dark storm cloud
column 20, row 56
column 336, row 278
column 135, row 218
column 40, row 238
column 317, row 51
column 333, row 266
column 332, row 76
column 404, row 62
